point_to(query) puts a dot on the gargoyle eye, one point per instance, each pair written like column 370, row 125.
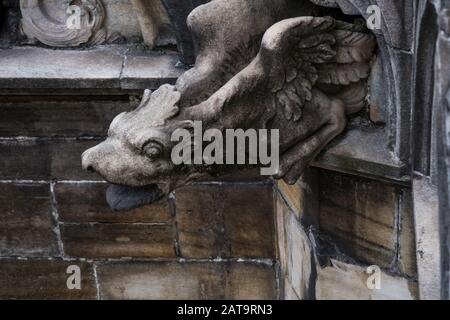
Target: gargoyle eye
column 152, row 150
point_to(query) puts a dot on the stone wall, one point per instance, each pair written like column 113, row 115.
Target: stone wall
column 210, row 240
column 333, row 226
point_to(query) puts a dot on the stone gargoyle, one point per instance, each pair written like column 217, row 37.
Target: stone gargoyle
column 260, row 64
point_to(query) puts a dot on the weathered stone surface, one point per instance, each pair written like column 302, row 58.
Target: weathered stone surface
column 245, row 175
column 302, row 197
column 178, row 12
column 47, row 22
column 397, row 23
column 295, row 253
column 250, row 281
column 154, row 22
column 52, row 69
column 105, row 21
column 97, row 69
column 85, row 202
column 379, row 100
column 396, row 43
column 27, row 226
column 44, row 159
column 426, row 219
column 281, row 212
column 9, row 26
column 363, row 151
column 149, row 70
column 44, row 279
column 360, row 216
column 186, row 281
column 407, row 263
column 40, row 116
column 225, row 221
column 441, row 120
column 118, row 240
column 121, row 19
column 342, row 281
column 300, row 258
column 294, row 195
column 289, row 293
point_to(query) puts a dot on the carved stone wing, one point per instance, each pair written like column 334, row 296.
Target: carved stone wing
column 302, row 53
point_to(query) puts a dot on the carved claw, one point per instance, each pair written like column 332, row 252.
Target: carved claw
column 296, row 159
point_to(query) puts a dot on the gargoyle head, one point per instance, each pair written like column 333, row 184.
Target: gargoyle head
column 137, row 151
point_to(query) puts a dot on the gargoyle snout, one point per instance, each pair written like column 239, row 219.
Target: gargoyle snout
column 92, row 157
column 114, row 163
column 87, row 160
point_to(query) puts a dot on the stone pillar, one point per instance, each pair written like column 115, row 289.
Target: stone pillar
column 442, row 107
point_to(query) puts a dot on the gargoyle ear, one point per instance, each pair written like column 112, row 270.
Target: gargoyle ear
column 162, row 103
column 145, row 98
column 166, row 96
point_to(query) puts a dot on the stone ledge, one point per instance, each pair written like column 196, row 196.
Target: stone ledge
column 31, row 69
column 364, row 152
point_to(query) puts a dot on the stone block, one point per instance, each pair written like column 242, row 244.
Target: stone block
column 225, row 221
column 44, row 279
column 342, row 281
column 295, row 253
column 86, row 202
column 289, row 293
column 302, row 197
column 360, row 215
column 362, row 151
column 245, row 281
column 118, row 240
column 67, row 116
column 281, row 212
column 426, row 220
column 44, row 159
column 94, row 70
column 294, row 195
column 299, row 258
column 27, row 224
column 186, row 281
column 407, row 242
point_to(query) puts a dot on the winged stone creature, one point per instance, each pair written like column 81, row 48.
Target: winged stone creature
column 281, row 69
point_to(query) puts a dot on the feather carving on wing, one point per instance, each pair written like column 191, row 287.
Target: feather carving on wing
column 307, row 52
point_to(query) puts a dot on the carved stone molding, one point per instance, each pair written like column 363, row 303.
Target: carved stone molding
column 46, row 22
